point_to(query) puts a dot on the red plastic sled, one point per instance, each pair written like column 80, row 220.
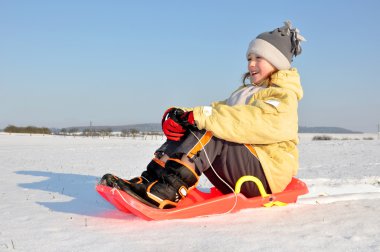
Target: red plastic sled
column 199, row 203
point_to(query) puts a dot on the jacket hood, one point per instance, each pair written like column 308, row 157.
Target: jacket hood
column 288, row 79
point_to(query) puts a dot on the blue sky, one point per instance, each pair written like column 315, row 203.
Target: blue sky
column 66, row 63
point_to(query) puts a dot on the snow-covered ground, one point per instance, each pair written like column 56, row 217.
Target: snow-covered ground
column 48, row 201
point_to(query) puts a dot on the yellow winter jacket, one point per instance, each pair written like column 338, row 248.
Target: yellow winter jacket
column 269, row 122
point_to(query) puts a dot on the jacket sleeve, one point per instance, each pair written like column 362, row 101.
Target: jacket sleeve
column 269, row 118
column 212, row 104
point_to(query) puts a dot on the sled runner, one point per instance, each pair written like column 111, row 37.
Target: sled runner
column 198, row 203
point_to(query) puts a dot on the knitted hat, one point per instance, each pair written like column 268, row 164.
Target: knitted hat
column 278, row 46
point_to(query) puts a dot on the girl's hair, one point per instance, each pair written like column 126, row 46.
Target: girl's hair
column 244, row 78
column 247, row 75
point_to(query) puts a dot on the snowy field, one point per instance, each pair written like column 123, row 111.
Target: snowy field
column 49, row 202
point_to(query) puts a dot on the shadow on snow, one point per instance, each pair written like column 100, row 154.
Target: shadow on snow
column 81, row 188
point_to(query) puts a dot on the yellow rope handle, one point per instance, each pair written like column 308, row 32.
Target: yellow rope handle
column 275, row 203
column 254, row 179
column 259, row 185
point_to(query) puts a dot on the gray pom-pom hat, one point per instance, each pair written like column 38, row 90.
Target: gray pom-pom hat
column 278, row 46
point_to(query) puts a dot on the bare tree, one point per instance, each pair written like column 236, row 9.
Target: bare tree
column 134, row 132
column 63, row 131
column 125, row 133
column 73, row 131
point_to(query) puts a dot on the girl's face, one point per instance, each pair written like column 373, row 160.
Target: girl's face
column 259, row 68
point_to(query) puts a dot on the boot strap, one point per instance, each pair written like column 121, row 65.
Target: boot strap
column 182, row 191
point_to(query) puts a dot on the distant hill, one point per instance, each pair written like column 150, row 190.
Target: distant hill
column 326, row 130
column 156, row 127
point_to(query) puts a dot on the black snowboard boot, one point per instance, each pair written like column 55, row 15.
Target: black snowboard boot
column 174, row 184
column 153, row 172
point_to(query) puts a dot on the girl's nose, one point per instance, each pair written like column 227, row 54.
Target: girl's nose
column 252, row 63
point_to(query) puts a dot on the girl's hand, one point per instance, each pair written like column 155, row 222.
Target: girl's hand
column 175, row 123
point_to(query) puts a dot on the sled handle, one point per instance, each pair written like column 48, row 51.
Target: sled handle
column 259, row 185
column 254, row 179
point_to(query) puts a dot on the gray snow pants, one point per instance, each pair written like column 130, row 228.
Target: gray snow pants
column 230, row 160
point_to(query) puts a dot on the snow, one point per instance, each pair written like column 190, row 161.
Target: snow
column 49, row 202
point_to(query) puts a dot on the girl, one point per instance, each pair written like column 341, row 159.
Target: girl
column 253, row 132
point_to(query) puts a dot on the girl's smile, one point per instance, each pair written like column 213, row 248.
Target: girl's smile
column 259, row 68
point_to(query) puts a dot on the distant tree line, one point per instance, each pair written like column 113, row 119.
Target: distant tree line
column 86, row 132
column 28, row 130
column 106, row 132
column 130, row 132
